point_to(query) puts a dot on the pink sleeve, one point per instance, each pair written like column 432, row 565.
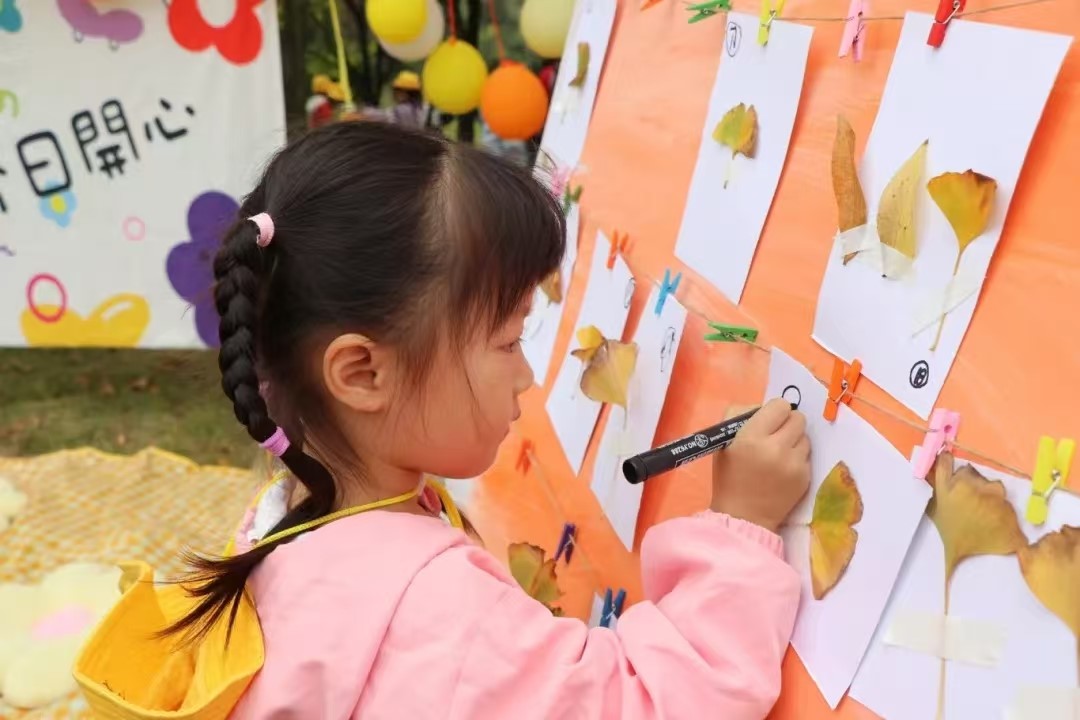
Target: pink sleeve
column 709, row 640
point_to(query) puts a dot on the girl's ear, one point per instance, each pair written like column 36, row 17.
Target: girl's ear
column 359, row 373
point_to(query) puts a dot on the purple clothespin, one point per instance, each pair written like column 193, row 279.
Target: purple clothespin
column 566, row 542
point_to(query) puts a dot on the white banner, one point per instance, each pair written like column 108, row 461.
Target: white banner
column 129, row 130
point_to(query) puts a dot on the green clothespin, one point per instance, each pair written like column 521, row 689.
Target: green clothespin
column 571, row 197
column 707, row 9
column 731, row 333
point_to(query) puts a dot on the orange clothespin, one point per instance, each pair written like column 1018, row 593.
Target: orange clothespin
column 841, row 386
column 854, row 29
column 619, row 241
column 524, row 461
column 1052, row 464
column 946, row 11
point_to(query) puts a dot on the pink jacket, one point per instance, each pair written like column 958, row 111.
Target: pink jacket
column 393, row 615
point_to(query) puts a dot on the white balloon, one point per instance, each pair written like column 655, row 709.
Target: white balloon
column 428, row 40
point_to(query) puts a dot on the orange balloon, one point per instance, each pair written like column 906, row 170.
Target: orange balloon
column 514, row 103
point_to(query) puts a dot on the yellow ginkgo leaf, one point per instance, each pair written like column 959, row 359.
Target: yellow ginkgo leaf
column 850, row 201
column 837, row 507
column 966, row 199
column 552, row 287
column 582, row 65
column 972, row 515
column 608, row 367
column 738, row 130
column 1051, row 568
column 534, row 573
column 896, row 212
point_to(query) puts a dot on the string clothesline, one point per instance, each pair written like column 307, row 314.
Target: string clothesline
column 879, row 18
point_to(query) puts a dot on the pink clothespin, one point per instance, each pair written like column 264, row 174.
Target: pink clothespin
column 854, row 29
column 939, row 438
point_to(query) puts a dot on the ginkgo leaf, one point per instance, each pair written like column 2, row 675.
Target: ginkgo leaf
column 837, row 507
column 552, row 287
column 1051, row 568
column 896, row 212
column 850, row 201
column 582, row 65
column 972, row 515
column 609, row 366
column 534, row 573
column 966, row 199
column 738, row 130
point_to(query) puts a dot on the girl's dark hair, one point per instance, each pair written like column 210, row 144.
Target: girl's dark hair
column 404, row 237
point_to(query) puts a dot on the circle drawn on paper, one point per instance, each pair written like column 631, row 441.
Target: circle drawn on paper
column 55, row 282
column 733, row 38
column 919, row 375
column 629, row 294
column 134, row 228
column 793, row 395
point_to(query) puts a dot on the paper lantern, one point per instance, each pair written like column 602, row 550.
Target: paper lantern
column 428, row 40
column 454, row 76
column 396, row 21
column 514, row 103
column 545, row 25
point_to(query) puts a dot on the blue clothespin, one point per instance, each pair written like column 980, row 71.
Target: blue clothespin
column 617, row 605
column 667, row 287
column 707, row 9
column 567, row 541
column 608, row 609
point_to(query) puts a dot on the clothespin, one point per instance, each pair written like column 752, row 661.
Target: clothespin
column 854, row 29
column 1052, row 464
column 939, row 438
column 705, row 10
column 619, row 242
column 730, row 333
column 613, row 607
column 617, row 604
column 770, row 10
column 567, row 540
column 571, row 197
column 524, row 461
column 667, row 287
column 841, row 386
column 946, row 11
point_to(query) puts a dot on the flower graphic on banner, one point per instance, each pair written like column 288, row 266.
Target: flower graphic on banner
column 58, row 207
column 86, row 21
column 10, row 17
column 190, row 265
column 239, row 41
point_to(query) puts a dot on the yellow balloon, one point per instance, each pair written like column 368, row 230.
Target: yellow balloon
column 454, row 77
column 396, row 21
column 545, row 25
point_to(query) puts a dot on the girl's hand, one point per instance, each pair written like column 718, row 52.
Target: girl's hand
column 764, row 473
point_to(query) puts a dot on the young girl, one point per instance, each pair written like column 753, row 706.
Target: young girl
column 380, row 287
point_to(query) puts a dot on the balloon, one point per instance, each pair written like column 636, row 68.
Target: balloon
column 514, row 103
column 453, row 77
column 396, row 21
column 545, row 25
column 424, row 43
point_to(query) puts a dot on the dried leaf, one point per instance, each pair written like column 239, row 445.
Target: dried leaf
column 972, row 515
column 966, row 199
column 608, row 369
column 1051, row 568
column 837, row 507
column 896, row 212
column 738, row 130
column 582, row 65
column 590, row 339
column 535, row 574
column 552, row 287
column 850, row 201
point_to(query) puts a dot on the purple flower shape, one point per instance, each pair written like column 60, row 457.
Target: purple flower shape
column 190, row 265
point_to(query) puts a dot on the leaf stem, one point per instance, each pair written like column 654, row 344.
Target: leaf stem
column 941, row 673
column 941, row 322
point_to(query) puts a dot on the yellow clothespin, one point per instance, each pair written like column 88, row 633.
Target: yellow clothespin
column 770, row 10
column 1052, row 465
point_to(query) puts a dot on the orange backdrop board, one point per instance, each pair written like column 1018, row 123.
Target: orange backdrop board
column 1015, row 378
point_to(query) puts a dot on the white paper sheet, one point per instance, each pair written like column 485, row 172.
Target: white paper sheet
column 832, row 634
column 571, row 107
column 721, row 226
column 982, row 121
column 632, row 430
column 542, row 325
column 1039, row 650
column 606, row 305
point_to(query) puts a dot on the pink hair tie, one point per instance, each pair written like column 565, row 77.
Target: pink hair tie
column 277, row 443
column 266, row 228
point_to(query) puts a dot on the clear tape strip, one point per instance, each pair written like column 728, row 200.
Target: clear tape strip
column 1044, row 703
column 964, row 640
column 864, row 241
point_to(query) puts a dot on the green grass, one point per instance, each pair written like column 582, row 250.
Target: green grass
column 118, row 401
